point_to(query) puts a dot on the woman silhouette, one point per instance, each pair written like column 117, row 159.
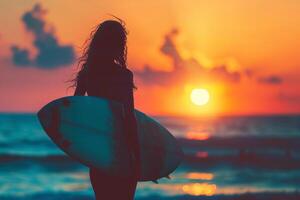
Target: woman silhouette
column 104, row 73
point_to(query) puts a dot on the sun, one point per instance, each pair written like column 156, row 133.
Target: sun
column 199, row 96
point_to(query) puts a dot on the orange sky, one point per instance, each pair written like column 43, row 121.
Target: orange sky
column 245, row 53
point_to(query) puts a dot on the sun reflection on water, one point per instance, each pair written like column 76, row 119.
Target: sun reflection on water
column 74, row 186
column 197, row 189
column 200, row 176
column 198, row 135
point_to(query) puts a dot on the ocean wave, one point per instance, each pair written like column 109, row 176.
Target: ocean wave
column 18, row 157
column 246, row 196
column 12, row 162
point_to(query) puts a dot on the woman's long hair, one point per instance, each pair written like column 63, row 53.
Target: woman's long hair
column 106, row 44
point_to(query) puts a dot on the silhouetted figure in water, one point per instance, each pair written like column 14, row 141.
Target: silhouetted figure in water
column 104, row 73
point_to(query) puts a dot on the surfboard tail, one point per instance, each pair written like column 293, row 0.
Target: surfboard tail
column 168, row 177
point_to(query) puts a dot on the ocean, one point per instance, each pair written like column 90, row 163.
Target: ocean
column 255, row 157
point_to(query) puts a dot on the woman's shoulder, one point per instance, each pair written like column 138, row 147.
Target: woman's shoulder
column 115, row 73
column 124, row 70
column 129, row 72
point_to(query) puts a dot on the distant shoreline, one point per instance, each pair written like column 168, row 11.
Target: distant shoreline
column 187, row 116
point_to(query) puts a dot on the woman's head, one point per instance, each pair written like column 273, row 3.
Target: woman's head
column 107, row 43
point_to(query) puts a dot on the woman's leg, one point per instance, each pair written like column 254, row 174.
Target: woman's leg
column 110, row 187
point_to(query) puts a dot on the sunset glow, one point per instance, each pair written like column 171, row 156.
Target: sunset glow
column 189, row 58
column 199, row 97
column 202, row 96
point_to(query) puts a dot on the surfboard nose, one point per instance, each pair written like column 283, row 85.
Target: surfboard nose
column 43, row 116
column 49, row 118
column 51, row 110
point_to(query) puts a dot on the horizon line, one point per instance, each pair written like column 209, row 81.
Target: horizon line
column 187, row 116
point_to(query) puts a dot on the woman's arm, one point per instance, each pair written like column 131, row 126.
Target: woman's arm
column 79, row 91
column 132, row 134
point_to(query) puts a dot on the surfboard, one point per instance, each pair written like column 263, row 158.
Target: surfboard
column 90, row 130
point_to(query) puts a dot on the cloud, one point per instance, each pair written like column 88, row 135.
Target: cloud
column 50, row 54
column 183, row 67
column 290, row 98
column 150, row 76
column 20, row 56
column 272, row 79
column 169, row 48
column 249, row 73
column 222, row 72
